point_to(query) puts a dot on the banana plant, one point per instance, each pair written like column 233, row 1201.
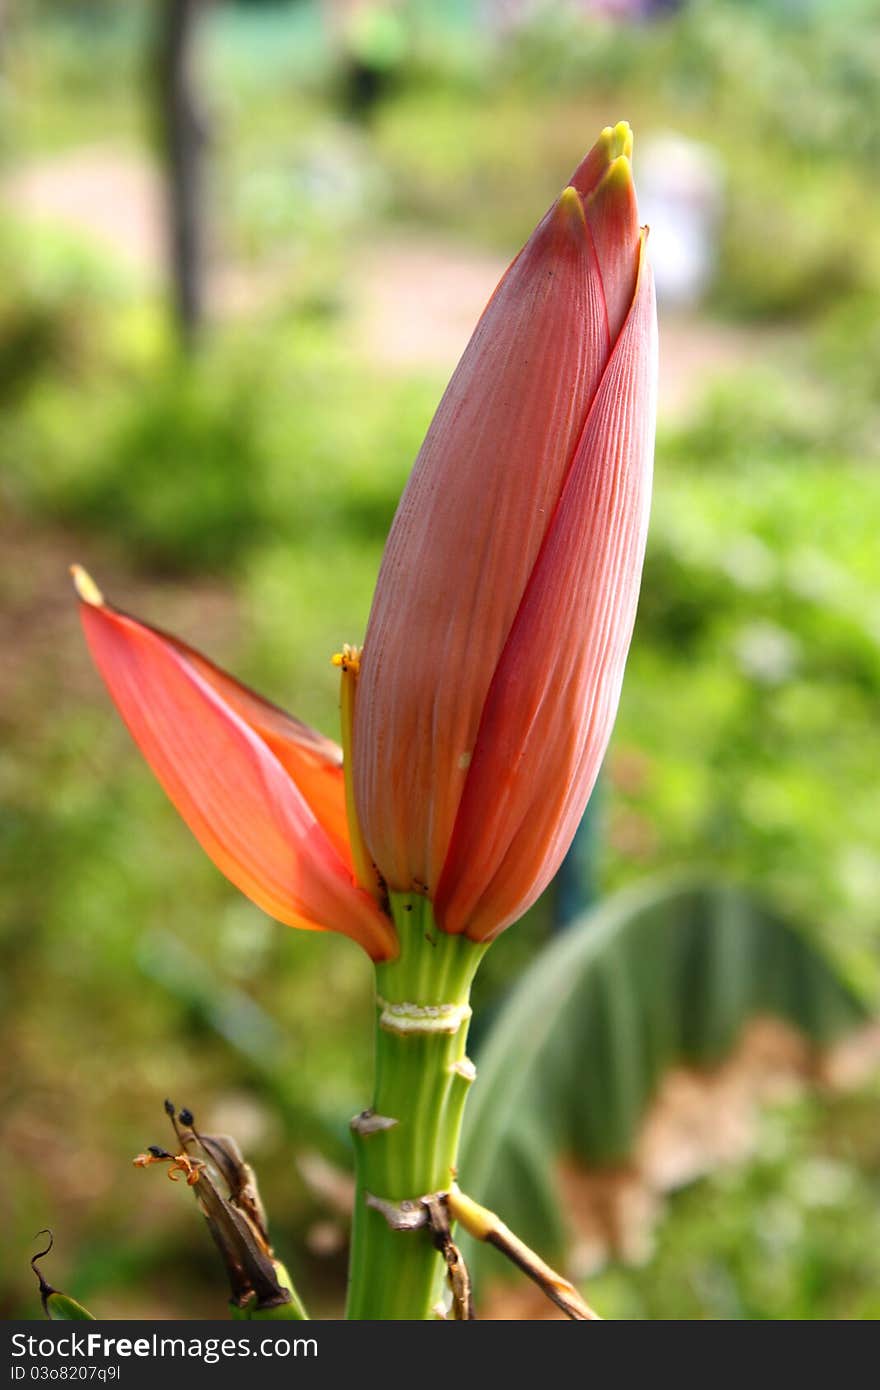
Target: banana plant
column 475, row 718
column 476, row 715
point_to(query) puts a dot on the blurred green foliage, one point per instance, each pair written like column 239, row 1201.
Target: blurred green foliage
column 241, row 499
column 674, row 973
column 787, row 1236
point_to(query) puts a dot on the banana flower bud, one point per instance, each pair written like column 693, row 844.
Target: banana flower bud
column 480, row 709
column 494, row 655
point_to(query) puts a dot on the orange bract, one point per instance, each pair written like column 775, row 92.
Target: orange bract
column 261, row 792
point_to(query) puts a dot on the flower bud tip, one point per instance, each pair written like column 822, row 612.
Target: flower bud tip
column 616, row 179
column 571, row 208
column 618, row 140
column 86, row 587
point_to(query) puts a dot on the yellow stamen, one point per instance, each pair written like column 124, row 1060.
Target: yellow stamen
column 349, row 659
column 86, row 587
column 349, row 662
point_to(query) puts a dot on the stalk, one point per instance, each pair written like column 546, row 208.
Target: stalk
column 407, row 1143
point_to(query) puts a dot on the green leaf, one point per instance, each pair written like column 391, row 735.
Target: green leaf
column 61, row 1308
column 665, row 976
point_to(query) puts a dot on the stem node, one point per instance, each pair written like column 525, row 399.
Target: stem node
column 368, row 1122
column 422, row 1079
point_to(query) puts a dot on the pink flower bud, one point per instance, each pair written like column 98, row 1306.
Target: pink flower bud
column 503, row 613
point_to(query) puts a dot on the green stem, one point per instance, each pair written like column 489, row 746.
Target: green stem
column 422, row 1080
column 279, row 1312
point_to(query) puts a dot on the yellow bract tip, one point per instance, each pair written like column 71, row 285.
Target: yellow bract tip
column 570, row 206
column 86, row 587
column 619, row 167
column 615, row 185
column 618, row 140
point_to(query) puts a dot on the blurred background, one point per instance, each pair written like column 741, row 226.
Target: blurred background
column 242, row 246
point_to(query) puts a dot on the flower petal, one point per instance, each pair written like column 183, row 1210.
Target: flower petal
column 313, row 761
column 613, row 218
column 465, row 538
column 554, row 697
column 613, row 142
column 226, row 782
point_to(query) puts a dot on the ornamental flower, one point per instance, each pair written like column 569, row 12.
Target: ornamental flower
column 262, row 793
column 503, row 613
column 480, row 710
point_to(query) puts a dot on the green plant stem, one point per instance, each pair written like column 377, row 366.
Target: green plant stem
column 279, row 1312
column 407, row 1144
